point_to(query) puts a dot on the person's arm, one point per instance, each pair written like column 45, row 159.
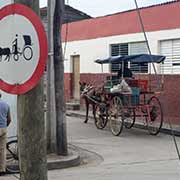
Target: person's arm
column 8, row 118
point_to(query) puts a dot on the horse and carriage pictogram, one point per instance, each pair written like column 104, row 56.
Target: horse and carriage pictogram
column 15, row 52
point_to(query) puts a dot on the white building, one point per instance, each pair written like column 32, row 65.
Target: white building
column 121, row 34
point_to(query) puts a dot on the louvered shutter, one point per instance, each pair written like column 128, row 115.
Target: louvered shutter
column 176, row 56
column 166, row 50
column 118, row 50
column 170, row 49
column 138, row 48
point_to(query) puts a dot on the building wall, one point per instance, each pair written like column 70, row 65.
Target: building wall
column 154, row 18
column 67, row 85
column 90, row 50
column 169, row 97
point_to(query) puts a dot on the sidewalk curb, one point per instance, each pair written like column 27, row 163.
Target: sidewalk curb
column 136, row 125
column 60, row 162
column 74, row 114
column 163, row 130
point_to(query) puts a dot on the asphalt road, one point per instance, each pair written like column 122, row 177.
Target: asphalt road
column 133, row 155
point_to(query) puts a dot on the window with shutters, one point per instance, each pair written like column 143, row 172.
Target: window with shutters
column 118, row 50
column 130, row 49
column 170, row 49
column 138, row 48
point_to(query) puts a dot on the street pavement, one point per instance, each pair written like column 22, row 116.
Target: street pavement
column 133, row 155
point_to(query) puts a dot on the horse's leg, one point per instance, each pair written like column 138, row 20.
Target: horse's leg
column 87, row 110
column 93, row 108
column 7, row 58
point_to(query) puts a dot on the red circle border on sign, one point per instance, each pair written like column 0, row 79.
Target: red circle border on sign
column 36, row 22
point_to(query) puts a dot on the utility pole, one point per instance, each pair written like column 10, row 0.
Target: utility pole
column 51, row 108
column 59, row 80
column 31, row 139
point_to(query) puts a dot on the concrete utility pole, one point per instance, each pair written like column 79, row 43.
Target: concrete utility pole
column 32, row 146
column 51, row 108
column 59, row 80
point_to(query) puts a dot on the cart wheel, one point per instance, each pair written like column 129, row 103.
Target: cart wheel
column 116, row 116
column 16, row 57
column 155, row 118
column 101, row 115
column 129, row 118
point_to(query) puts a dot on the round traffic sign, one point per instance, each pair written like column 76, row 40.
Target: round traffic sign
column 23, row 49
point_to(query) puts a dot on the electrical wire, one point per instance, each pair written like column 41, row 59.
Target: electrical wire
column 146, row 39
column 142, row 25
column 174, row 139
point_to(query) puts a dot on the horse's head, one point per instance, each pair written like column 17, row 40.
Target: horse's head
column 82, row 86
column 86, row 89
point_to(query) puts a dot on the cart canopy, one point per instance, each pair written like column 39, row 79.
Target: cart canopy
column 140, row 58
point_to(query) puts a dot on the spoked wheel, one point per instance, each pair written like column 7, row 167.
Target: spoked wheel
column 129, row 118
column 16, row 57
column 12, row 157
column 101, row 115
column 155, row 117
column 27, row 53
column 116, row 116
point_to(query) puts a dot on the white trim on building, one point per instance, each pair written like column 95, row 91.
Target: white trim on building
column 90, row 50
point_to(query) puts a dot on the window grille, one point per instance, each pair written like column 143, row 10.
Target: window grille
column 118, row 50
column 130, row 49
column 138, row 48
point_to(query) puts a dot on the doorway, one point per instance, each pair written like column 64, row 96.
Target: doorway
column 76, row 77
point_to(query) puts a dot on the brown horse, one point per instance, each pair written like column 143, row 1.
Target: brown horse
column 91, row 96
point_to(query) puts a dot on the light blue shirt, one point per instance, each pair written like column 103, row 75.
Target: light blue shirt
column 4, row 108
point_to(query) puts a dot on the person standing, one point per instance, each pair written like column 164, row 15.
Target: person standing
column 5, row 120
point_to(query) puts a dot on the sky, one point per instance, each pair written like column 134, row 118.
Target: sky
column 96, row 8
column 103, row 7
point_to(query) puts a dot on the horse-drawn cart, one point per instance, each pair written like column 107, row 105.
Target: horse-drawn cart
column 129, row 99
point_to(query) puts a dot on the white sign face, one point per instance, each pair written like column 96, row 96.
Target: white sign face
column 21, row 49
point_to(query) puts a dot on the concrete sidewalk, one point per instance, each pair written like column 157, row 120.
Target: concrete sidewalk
column 133, row 155
column 79, row 157
column 59, row 162
column 165, row 129
column 55, row 162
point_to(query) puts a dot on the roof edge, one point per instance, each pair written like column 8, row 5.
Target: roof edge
column 144, row 7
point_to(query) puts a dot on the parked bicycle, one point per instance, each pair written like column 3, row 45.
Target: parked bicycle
column 12, row 155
